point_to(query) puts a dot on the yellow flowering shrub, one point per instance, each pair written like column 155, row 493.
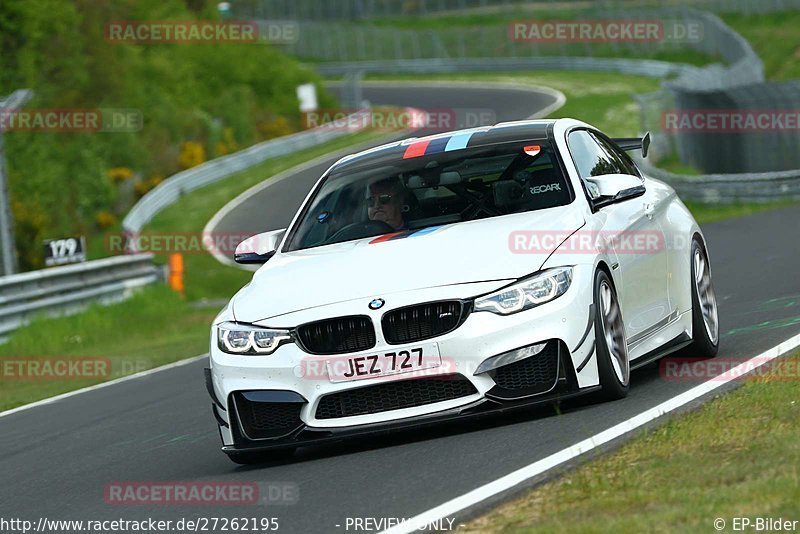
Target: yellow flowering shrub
column 192, row 154
column 119, row 174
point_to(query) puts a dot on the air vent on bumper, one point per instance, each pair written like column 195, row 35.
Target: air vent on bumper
column 533, row 375
column 394, row 395
column 265, row 419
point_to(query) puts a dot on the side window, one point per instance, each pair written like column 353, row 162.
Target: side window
column 591, row 159
column 623, row 161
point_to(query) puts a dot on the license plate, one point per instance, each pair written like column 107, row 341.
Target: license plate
column 384, row 363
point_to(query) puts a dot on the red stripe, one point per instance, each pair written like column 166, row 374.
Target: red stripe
column 386, row 237
column 415, row 150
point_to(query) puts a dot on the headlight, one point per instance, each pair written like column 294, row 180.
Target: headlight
column 235, row 338
column 538, row 289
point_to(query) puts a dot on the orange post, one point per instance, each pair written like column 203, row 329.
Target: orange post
column 176, row 273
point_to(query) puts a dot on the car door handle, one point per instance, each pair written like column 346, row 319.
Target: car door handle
column 648, row 210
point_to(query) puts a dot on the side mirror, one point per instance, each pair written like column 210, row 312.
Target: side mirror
column 609, row 188
column 645, row 144
column 258, row 248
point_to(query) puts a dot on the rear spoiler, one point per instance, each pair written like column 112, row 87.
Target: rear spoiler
column 634, row 143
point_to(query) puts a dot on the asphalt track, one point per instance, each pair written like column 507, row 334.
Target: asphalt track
column 57, row 459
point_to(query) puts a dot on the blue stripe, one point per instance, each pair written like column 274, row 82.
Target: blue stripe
column 458, row 141
column 436, row 146
column 426, row 231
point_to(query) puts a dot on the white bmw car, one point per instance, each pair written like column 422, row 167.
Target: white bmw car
column 454, row 275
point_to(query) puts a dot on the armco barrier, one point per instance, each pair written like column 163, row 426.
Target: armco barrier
column 642, row 67
column 68, row 289
column 731, row 188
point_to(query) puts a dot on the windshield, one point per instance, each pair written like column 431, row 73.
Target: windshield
column 444, row 188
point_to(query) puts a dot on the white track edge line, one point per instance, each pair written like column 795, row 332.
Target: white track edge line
column 523, row 474
column 50, row 400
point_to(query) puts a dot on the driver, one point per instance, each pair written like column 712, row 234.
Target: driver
column 385, row 202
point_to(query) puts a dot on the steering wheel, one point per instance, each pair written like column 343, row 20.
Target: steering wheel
column 358, row 230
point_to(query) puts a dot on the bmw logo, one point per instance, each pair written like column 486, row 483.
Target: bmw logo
column 376, row 304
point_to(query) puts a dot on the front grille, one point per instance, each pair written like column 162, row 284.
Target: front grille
column 422, row 321
column 394, row 396
column 262, row 420
column 536, row 374
column 337, row 336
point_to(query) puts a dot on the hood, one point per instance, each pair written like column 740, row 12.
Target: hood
column 458, row 253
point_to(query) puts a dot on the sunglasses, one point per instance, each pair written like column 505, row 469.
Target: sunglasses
column 374, row 200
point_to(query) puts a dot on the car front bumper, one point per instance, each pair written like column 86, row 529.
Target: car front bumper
column 564, row 322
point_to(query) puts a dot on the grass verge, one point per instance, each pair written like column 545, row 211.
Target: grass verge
column 152, row 328
column 774, row 38
column 708, row 213
column 737, row 456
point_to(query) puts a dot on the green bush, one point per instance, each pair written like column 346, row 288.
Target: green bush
column 185, row 92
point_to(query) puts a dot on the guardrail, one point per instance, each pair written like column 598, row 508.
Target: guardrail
column 170, row 190
column 641, row 67
column 69, row 289
column 730, row 188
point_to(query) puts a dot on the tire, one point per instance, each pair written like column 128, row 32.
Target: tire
column 260, row 457
column 705, row 314
column 611, row 346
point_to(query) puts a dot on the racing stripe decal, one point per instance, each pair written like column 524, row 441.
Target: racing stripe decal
column 387, row 237
column 458, row 141
column 416, row 150
column 426, row 231
column 437, row 145
column 402, row 234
